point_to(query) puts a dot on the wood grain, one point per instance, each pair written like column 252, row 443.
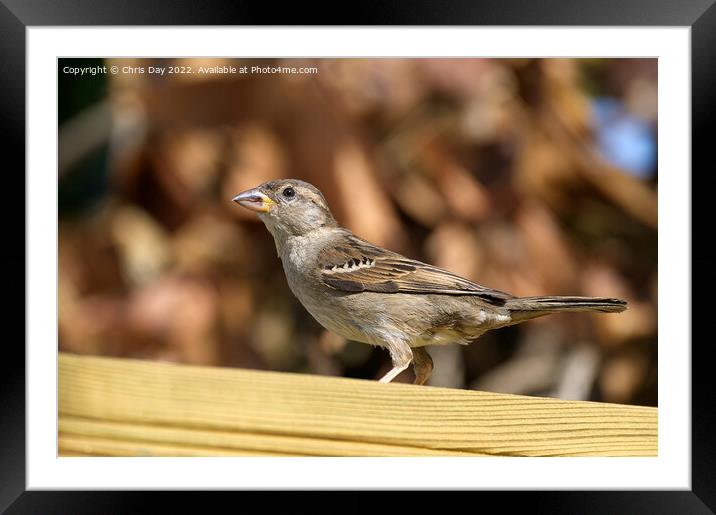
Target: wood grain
column 122, row 407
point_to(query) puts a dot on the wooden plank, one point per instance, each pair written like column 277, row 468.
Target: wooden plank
column 199, row 409
column 227, row 441
column 70, row 445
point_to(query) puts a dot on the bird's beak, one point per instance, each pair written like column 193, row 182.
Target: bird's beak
column 254, row 200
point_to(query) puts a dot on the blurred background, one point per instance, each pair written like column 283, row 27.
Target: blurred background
column 532, row 176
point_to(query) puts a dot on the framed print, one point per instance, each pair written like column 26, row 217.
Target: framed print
column 487, row 168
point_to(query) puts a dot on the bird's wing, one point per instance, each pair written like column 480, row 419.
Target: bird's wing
column 354, row 265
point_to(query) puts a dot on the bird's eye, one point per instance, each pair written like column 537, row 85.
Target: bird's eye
column 289, row 192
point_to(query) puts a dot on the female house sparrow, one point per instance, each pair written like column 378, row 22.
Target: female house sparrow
column 372, row 295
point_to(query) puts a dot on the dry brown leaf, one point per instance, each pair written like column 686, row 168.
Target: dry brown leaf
column 455, row 247
column 368, row 211
column 622, row 376
column 143, row 245
column 418, row 198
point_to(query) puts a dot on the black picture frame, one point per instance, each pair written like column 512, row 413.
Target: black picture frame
column 17, row 15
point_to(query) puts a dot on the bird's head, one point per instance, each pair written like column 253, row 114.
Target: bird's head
column 288, row 207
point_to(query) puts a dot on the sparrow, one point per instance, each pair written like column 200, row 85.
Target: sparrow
column 368, row 294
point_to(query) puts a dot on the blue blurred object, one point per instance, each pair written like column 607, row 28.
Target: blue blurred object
column 625, row 140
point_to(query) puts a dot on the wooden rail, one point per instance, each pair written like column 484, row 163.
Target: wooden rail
column 123, row 407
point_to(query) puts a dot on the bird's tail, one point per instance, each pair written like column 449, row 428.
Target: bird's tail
column 524, row 308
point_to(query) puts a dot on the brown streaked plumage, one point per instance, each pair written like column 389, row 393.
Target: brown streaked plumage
column 373, row 295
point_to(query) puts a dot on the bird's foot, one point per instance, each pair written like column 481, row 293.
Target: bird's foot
column 422, row 365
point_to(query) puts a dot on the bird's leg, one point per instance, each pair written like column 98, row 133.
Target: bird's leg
column 401, row 355
column 422, row 365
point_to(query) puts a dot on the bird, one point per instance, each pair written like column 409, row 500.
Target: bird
column 372, row 295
